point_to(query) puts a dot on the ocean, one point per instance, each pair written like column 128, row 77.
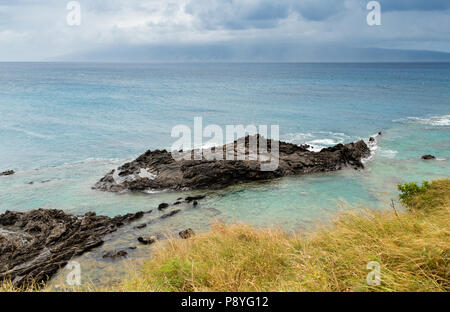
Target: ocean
column 64, row 125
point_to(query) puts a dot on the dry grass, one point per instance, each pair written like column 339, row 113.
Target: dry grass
column 412, row 248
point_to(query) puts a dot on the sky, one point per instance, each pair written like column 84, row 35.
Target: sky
column 236, row 30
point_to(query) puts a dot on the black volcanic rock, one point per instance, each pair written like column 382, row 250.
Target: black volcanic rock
column 186, row 233
column 163, row 206
column 428, row 157
column 161, row 171
column 194, row 198
column 169, row 214
column 147, row 240
column 35, row 244
column 7, row 173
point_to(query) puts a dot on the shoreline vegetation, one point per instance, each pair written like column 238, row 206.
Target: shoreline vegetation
column 411, row 245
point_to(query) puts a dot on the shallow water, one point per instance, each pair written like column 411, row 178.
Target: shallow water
column 65, row 125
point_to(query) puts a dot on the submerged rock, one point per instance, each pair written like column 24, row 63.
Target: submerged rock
column 117, row 254
column 194, row 198
column 147, row 240
column 428, row 157
column 173, row 212
column 167, row 173
column 35, row 244
column 141, row 226
column 7, row 173
column 163, row 206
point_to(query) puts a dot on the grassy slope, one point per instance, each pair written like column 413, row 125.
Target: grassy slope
column 412, row 248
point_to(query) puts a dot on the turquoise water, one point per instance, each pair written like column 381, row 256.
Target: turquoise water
column 63, row 126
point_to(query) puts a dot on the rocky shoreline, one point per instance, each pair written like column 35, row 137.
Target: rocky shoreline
column 158, row 170
column 36, row 243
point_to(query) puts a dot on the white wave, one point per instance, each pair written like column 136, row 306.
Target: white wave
column 387, row 153
column 373, row 147
column 326, row 142
column 296, row 137
column 317, row 140
column 443, row 120
column 30, row 133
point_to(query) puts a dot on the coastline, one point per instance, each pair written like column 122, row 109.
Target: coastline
column 337, row 252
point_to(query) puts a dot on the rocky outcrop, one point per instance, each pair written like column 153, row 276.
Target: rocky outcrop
column 158, row 170
column 428, row 157
column 35, row 244
column 7, row 173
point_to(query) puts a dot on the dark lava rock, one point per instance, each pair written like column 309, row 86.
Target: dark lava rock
column 35, row 244
column 7, row 173
column 147, row 240
column 173, row 212
column 371, row 139
column 167, row 173
column 195, row 203
column 141, row 226
column 177, row 203
column 428, row 157
column 163, row 206
column 114, row 255
column 186, row 234
column 194, row 198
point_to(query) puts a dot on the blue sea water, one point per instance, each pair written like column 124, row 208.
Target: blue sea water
column 64, row 125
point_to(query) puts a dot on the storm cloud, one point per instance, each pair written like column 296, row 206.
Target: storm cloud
column 37, row 30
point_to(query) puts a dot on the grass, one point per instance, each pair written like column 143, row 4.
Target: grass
column 411, row 246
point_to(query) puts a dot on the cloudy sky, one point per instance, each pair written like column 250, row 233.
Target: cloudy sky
column 273, row 30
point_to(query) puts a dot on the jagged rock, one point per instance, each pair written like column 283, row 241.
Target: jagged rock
column 7, row 173
column 186, row 233
column 114, row 255
column 428, row 157
column 35, row 244
column 147, row 240
column 158, row 170
column 163, row 206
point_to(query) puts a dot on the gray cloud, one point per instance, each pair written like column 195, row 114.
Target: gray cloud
column 36, row 30
column 414, row 5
